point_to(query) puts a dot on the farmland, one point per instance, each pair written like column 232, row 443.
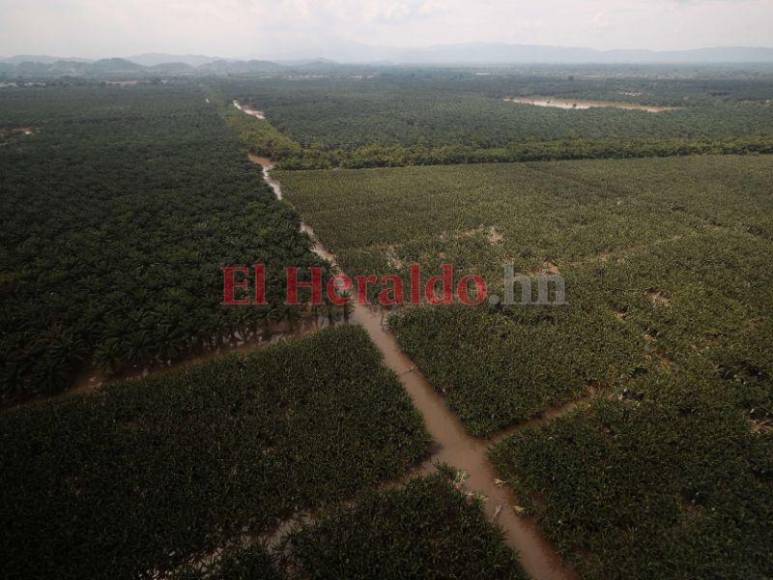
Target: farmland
column 611, row 236
column 673, row 468
column 665, row 341
column 427, row 529
column 118, row 211
column 624, row 433
column 150, row 474
column 431, row 117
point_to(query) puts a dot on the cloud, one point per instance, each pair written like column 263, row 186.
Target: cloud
column 267, row 28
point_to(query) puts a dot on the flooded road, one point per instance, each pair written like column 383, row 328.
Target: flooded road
column 456, row 447
column 463, row 452
column 583, row 105
column 267, row 165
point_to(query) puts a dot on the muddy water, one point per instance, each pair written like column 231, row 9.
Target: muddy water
column 456, row 447
column 251, row 112
column 267, row 166
column 464, row 452
column 570, row 104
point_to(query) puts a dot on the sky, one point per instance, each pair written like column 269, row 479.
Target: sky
column 309, row 28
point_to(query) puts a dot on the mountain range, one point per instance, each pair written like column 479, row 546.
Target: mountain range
column 460, row 54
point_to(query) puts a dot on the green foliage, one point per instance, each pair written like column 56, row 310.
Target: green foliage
column 150, row 474
column 260, row 136
column 117, row 214
column 250, row 564
column 666, row 264
column 428, row 529
column 497, row 368
column 233, row 563
column 665, row 481
column 447, row 117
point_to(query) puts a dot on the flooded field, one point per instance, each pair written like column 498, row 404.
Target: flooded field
column 583, row 105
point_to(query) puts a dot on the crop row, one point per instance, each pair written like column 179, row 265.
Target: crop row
column 152, row 474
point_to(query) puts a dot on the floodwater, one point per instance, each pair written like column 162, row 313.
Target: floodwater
column 267, row 166
column 456, row 447
column 251, row 112
column 582, row 105
column 463, row 452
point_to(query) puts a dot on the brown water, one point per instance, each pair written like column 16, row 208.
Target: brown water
column 581, row 105
column 456, row 447
column 267, row 166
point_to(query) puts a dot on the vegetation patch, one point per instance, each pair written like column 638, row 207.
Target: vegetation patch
column 664, row 263
column 116, row 219
column 428, row 529
column 665, row 481
column 497, row 368
column 430, row 117
column 152, row 474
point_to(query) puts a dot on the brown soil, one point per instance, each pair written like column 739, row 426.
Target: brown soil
column 621, row 315
column 762, row 425
column 393, row 260
column 8, row 132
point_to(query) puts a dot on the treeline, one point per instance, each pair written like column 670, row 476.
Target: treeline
column 116, row 214
column 398, row 156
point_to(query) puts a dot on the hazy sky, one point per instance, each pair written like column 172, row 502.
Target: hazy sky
column 277, row 28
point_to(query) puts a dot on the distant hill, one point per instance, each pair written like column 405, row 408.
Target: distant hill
column 20, row 58
column 59, row 68
column 238, row 67
column 156, row 59
column 172, row 68
column 26, row 66
column 115, row 66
